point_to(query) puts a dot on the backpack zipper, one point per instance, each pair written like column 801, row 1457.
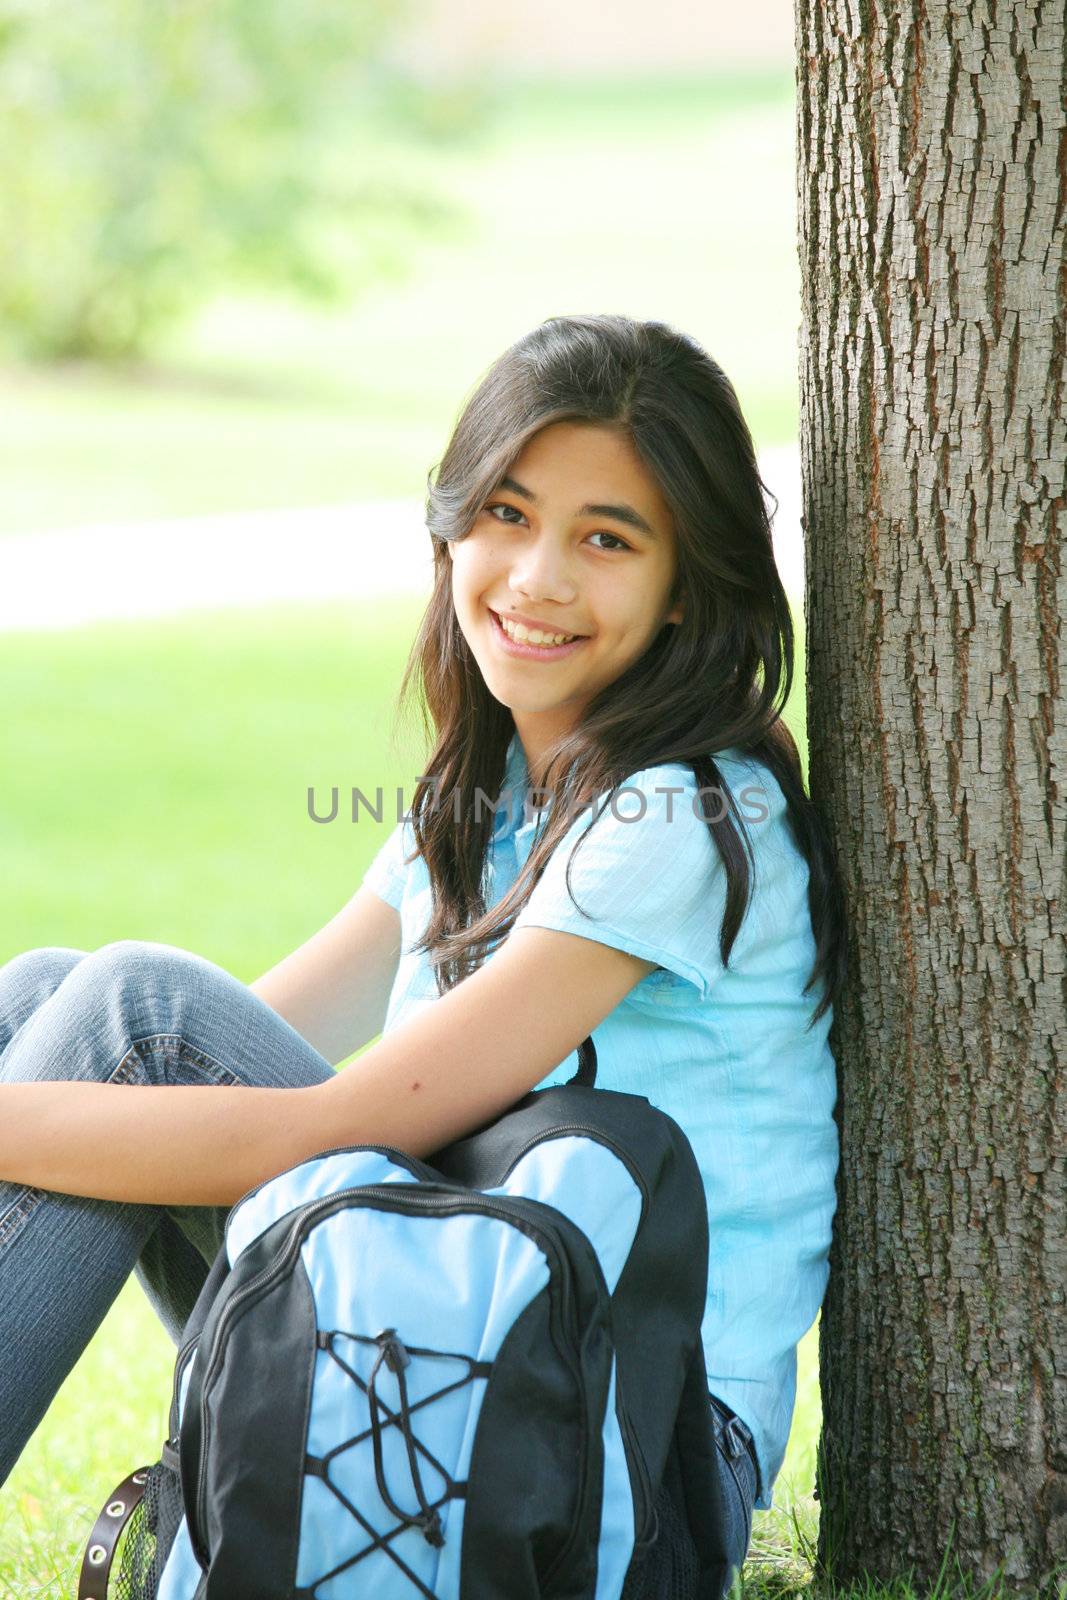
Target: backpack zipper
column 185, row 1355
column 641, row 1524
column 431, row 1174
column 600, row 1138
column 417, row 1168
column 448, row 1201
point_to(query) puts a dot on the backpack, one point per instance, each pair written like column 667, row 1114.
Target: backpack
column 476, row 1378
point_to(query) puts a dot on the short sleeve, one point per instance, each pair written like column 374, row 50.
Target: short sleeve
column 387, row 872
column 648, row 874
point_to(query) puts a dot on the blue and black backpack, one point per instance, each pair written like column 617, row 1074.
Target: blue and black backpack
column 479, row 1377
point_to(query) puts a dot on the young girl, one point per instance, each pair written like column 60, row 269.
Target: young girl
column 611, row 837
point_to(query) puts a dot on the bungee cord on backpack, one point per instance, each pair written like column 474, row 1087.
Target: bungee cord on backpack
column 396, row 1356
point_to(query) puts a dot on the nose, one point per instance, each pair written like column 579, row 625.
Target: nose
column 540, row 571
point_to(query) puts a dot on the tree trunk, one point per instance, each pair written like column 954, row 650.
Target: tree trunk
column 932, row 187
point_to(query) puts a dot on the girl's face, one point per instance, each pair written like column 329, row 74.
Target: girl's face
column 576, row 539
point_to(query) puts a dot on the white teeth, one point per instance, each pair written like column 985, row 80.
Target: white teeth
column 516, row 630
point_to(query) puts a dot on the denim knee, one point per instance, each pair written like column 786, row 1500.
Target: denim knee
column 124, row 956
column 99, row 1002
column 142, row 985
column 44, row 967
column 28, row 979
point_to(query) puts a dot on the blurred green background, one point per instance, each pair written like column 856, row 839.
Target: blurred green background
column 256, row 257
column 668, row 198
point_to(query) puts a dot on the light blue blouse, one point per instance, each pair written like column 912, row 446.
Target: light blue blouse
column 721, row 1050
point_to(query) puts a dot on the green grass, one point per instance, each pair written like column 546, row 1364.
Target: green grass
column 633, row 197
column 135, row 751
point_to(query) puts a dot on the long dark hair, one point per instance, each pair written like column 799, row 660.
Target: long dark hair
column 716, row 680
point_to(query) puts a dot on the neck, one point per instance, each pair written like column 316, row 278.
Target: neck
column 536, row 744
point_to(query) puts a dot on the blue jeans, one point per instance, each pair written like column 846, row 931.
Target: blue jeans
column 130, row 1012
column 137, row 1012
column 736, row 1456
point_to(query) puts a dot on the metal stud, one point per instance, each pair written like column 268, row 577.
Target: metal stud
column 97, row 1555
column 140, row 1477
column 116, row 1508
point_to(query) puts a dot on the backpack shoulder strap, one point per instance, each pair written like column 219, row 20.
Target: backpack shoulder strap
column 586, row 1074
column 701, row 1488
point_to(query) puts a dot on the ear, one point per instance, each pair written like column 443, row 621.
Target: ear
column 676, row 613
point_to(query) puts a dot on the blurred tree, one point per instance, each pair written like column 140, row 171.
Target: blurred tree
column 933, row 240
column 155, row 148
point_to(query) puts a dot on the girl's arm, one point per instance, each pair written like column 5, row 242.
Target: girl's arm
column 334, row 990
column 452, row 1068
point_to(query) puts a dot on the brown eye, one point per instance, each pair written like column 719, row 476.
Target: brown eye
column 500, row 505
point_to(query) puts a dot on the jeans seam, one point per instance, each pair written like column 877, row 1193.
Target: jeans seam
column 17, row 1214
column 14, row 1219
column 724, row 1445
column 171, row 1044
column 746, row 1507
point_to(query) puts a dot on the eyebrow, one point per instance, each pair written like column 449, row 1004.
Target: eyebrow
column 618, row 513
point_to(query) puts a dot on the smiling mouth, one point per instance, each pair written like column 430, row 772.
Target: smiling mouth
column 568, row 639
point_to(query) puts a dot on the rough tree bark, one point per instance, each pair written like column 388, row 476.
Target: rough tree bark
column 932, row 188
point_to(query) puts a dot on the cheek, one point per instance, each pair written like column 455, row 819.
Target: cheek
column 473, row 569
column 632, row 622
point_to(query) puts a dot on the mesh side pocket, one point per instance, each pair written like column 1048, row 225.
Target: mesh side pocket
column 147, row 1538
column 669, row 1568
